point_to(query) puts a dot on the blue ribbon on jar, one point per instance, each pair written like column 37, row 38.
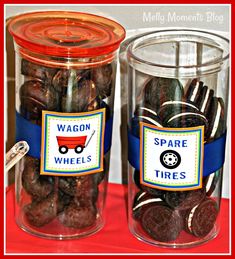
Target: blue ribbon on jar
column 214, row 153
column 31, row 133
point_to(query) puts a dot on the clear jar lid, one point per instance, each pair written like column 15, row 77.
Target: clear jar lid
column 66, row 34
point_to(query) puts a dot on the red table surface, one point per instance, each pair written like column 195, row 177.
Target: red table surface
column 115, row 237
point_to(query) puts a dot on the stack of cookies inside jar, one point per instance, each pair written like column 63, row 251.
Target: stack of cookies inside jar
column 73, row 203
column 166, row 216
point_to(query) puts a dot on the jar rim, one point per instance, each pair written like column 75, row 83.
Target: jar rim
column 155, row 34
column 66, row 33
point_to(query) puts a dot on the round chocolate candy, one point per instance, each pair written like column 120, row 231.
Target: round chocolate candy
column 159, row 90
column 194, row 91
column 34, row 184
column 37, row 71
column 82, row 98
column 102, row 77
column 41, row 213
column 35, row 97
column 78, row 215
column 161, row 222
column 201, row 219
column 210, row 182
column 182, row 200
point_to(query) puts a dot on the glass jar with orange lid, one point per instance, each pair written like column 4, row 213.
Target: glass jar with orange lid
column 65, row 82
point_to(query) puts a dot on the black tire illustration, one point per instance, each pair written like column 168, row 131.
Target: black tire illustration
column 170, row 159
column 78, row 149
column 63, row 149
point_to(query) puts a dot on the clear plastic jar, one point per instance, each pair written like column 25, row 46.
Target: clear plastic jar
column 65, row 82
column 178, row 83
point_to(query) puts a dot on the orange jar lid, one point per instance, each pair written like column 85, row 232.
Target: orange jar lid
column 66, row 34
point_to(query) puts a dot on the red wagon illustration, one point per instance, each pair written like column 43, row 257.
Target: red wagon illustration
column 76, row 143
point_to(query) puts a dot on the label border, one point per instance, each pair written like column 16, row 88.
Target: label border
column 198, row 185
column 97, row 169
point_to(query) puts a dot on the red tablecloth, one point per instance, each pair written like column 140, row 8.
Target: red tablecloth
column 113, row 238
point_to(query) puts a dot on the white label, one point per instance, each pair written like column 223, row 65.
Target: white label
column 171, row 159
column 72, row 143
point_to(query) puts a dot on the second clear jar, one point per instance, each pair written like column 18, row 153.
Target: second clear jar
column 177, row 108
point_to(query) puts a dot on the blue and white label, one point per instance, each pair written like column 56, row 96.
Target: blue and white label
column 171, row 159
column 72, row 143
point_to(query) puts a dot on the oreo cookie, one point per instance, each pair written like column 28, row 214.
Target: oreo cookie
column 186, row 119
column 141, row 201
column 205, row 99
column 183, row 200
column 216, row 119
column 194, row 91
column 151, row 191
column 210, row 182
column 145, row 115
column 175, row 107
column 159, row 90
column 201, row 219
column 161, row 222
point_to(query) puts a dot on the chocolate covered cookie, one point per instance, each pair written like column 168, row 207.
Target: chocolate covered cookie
column 102, row 77
column 78, row 215
column 82, row 98
column 35, row 97
column 34, row 184
column 83, row 187
column 41, row 213
column 37, row 71
column 67, row 78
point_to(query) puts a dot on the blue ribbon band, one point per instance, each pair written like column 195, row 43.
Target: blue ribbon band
column 214, row 153
column 30, row 132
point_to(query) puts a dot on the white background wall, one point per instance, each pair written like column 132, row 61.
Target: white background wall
column 134, row 19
